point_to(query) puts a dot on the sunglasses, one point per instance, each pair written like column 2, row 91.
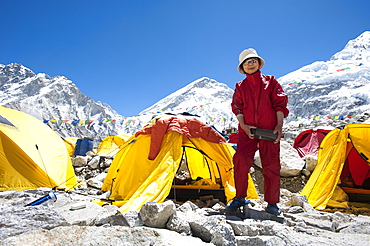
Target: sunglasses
column 250, row 61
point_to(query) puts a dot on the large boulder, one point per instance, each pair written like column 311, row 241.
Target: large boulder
column 291, row 163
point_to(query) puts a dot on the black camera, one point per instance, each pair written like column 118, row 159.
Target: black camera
column 264, row 134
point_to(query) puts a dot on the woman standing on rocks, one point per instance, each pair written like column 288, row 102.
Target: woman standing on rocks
column 258, row 102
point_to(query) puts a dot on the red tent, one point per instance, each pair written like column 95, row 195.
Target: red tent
column 308, row 142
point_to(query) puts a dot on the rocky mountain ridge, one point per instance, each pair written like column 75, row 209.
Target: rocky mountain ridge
column 54, row 99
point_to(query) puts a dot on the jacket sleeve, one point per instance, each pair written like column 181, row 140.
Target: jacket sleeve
column 237, row 103
column 279, row 99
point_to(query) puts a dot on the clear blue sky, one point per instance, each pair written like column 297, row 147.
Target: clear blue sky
column 131, row 54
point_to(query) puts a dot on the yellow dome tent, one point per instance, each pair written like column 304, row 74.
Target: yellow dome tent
column 31, row 154
column 110, row 145
column 70, row 143
column 144, row 169
column 343, row 167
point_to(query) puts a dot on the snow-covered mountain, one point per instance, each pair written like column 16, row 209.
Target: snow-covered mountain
column 204, row 97
column 337, row 87
column 55, row 100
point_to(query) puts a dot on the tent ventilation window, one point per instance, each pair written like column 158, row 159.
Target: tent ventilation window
column 364, row 156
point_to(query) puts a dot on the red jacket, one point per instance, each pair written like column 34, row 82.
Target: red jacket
column 258, row 97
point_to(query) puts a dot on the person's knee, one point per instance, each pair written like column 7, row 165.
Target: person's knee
column 271, row 170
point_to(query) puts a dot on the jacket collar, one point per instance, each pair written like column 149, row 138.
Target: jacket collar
column 256, row 75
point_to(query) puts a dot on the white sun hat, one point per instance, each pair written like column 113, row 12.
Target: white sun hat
column 249, row 53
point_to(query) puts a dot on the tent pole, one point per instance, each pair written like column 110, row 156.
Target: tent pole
column 42, row 161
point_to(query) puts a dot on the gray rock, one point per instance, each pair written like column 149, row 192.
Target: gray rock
column 133, row 218
column 260, row 241
column 291, row 163
column 251, row 228
column 15, row 220
column 94, row 162
column 245, row 228
column 311, row 162
column 95, row 183
column 157, row 214
column 294, row 210
column 260, row 214
column 91, row 236
column 115, row 220
column 106, row 162
column 178, row 225
column 298, row 200
column 357, row 228
column 91, row 214
column 80, row 161
column 213, row 229
column 328, row 222
column 188, row 206
column 305, row 172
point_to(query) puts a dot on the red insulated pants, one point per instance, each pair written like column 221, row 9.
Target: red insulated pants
column 270, row 159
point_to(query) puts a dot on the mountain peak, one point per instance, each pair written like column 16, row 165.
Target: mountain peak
column 204, row 96
column 203, row 82
column 15, row 70
column 357, row 49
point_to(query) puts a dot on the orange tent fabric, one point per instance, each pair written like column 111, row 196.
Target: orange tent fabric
column 189, row 127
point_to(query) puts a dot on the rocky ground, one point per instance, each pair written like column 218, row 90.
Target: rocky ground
column 73, row 219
